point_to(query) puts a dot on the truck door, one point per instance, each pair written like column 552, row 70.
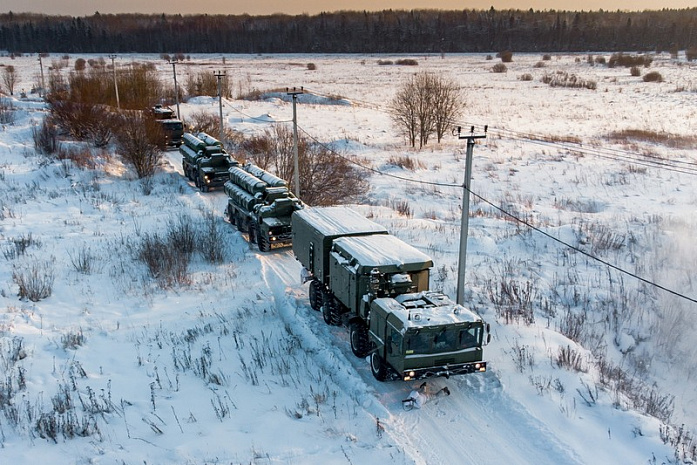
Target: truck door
column 394, row 347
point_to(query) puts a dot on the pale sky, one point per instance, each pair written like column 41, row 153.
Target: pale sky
column 261, row 7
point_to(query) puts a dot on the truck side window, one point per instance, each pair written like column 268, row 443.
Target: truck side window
column 395, row 342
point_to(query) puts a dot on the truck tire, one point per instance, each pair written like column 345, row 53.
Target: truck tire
column 378, row 367
column 359, row 339
column 230, row 214
column 252, row 230
column 315, row 293
column 263, row 241
column 330, row 310
column 241, row 223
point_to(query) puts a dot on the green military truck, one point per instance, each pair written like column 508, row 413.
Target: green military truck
column 204, row 161
column 378, row 286
column 260, row 204
column 172, row 127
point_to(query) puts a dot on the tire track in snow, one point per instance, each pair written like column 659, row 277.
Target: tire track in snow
column 478, row 423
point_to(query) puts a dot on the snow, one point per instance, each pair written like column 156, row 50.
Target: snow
column 381, row 250
column 338, row 221
column 233, row 366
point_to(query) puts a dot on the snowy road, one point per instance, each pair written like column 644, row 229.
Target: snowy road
column 479, row 423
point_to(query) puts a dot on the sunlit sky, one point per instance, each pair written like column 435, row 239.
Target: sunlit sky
column 262, row 7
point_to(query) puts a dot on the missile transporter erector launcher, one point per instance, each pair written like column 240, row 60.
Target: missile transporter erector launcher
column 378, row 286
column 260, row 204
column 204, row 161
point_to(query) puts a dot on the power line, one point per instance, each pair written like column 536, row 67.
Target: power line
column 507, row 213
column 533, row 139
column 255, row 118
column 684, row 167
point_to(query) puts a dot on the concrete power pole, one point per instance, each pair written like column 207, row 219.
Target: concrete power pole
column 116, row 87
column 43, row 85
column 296, row 166
column 219, row 75
column 464, row 223
column 176, row 88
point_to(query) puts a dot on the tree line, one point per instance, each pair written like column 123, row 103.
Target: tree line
column 388, row 31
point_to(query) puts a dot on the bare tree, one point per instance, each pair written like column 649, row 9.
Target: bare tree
column 9, row 78
column 326, row 177
column 448, row 103
column 137, row 140
column 403, row 108
column 424, row 105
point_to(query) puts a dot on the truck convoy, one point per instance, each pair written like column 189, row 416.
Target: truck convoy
column 204, row 161
column 260, row 204
column 378, row 286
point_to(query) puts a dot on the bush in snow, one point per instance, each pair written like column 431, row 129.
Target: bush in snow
column 45, row 137
column 35, row 279
column 7, row 112
column 137, row 139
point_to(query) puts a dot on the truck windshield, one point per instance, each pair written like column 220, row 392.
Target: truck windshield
column 444, row 340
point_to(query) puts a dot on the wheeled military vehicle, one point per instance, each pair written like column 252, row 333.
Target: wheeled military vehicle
column 260, row 204
column 172, row 127
column 378, row 286
column 204, row 161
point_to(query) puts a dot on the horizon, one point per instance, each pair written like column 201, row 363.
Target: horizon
column 313, row 7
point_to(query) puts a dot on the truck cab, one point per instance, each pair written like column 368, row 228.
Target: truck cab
column 425, row 334
column 172, row 127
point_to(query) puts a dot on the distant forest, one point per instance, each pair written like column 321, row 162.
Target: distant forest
column 389, row 31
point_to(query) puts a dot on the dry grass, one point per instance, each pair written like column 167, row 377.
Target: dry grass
column 675, row 141
column 407, row 163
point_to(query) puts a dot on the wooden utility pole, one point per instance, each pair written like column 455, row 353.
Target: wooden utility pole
column 464, row 223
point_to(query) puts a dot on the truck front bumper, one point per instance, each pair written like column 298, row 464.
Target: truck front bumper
column 444, row 370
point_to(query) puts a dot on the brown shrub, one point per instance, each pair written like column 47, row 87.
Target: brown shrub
column 506, row 56
column 653, row 76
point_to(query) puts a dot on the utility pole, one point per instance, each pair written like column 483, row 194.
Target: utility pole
column 116, row 87
column 219, row 75
column 464, row 223
column 43, row 85
column 176, row 88
column 296, row 166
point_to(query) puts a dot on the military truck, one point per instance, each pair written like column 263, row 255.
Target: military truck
column 378, row 286
column 260, row 204
column 204, row 161
column 172, row 127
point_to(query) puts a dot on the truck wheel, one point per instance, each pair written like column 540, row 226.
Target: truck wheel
column 330, row 311
column 252, row 227
column 240, row 222
column 378, row 367
column 315, row 293
column 359, row 339
column 263, row 241
column 230, row 215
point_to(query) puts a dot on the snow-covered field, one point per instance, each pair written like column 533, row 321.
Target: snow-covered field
column 234, row 366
